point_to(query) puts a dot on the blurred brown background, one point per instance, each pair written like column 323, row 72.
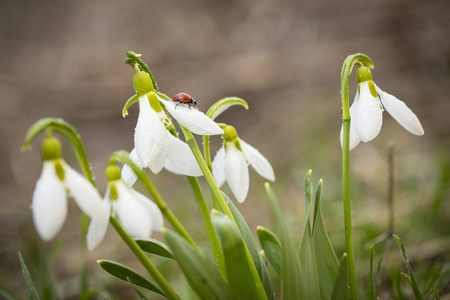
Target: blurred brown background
column 66, row 59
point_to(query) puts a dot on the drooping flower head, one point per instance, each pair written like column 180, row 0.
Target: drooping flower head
column 231, row 164
column 57, row 181
column 366, row 112
column 155, row 146
column 138, row 215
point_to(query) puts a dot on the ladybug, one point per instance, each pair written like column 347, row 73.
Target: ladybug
column 185, row 99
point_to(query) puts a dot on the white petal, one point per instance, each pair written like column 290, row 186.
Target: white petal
column 84, row 193
column 127, row 173
column 150, row 133
column 368, row 114
column 158, row 161
column 131, row 213
column 193, row 119
column 49, row 203
column 354, row 138
column 97, row 229
column 236, row 172
column 181, row 158
column 218, row 167
column 400, row 112
column 261, row 165
column 153, row 210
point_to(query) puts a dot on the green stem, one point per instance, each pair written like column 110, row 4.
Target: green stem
column 123, row 157
column 68, row 132
column 133, row 58
column 208, row 224
column 207, row 153
column 206, row 172
column 347, row 68
column 145, row 261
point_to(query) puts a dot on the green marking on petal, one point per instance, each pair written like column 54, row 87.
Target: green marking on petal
column 114, row 193
column 59, row 169
column 154, row 103
column 372, row 88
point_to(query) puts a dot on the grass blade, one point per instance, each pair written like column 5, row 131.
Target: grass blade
column 258, row 261
column 32, row 293
column 271, row 246
column 307, row 254
column 241, row 272
column 203, row 277
column 341, row 288
column 370, row 290
column 326, row 260
column 293, row 285
column 412, row 281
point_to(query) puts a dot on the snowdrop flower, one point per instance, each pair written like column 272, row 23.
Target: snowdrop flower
column 58, row 180
column 155, row 147
column 366, row 112
column 230, row 164
column 138, row 215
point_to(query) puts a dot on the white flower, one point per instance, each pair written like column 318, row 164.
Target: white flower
column 138, row 215
column 156, row 148
column 50, row 197
column 366, row 114
column 230, row 164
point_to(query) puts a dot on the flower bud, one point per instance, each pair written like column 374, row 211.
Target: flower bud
column 51, row 148
column 142, row 83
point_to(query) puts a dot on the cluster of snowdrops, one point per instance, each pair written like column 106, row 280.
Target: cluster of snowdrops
column 308, row 271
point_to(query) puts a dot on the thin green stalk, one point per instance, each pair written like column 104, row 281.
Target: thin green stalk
column 145, row 261
column 347, row 68
column 208, row 224
column 123, row 157
column 206, row 172
column 207, row 153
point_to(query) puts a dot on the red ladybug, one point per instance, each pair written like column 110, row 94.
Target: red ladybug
column 184, row 98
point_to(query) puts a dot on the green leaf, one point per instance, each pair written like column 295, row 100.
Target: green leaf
column 341, row 288
column 371, row 292
column 204, row 278
column 307, row 254
column 140, row 294
column 326, row 260
column 155, row 247
column 32, row 293
column 241, row 272
column 271, row 246
column 412, row 280
column 133, row 99
column 223, row 104
column 124, row 273
column 435, row 292
column 293, row 284
column 258, row 261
